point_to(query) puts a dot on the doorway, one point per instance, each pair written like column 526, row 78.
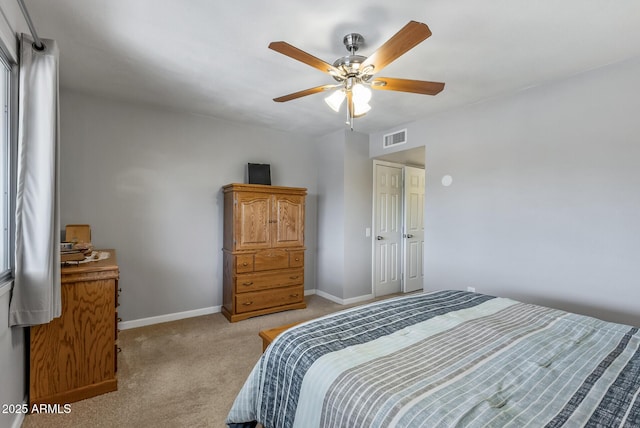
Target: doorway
column 398, row 220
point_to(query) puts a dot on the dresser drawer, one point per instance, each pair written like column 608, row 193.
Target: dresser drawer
column 296, row 258
column 271, row 259
column 244, row 263
column 247, row 302
column 262, row 281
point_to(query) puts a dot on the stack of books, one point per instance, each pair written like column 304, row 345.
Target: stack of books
column 69, row 254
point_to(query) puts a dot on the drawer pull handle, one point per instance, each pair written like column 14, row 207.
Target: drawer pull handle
column 245, row 264
column 294, row 295
column 297, row 259
column 248, row 303
column 294, row 277
column 247, row 283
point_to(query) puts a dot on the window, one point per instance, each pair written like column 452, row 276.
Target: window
column 6, row 204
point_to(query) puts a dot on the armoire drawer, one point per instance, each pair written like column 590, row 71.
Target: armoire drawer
column 265, row 280
column 271, row 259
column 296, row 259
column 270, row 298
column 244, row 263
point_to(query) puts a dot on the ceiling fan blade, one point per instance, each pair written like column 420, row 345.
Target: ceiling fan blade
column 406, row 85
column 293, row 52
column 304, row 93
column 408, row 37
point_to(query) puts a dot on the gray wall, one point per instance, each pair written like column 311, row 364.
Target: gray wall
column 544, row 204
column 13, row 388
column 148, row 182
column 358, row 195
column 345, row 184
column 331, row 214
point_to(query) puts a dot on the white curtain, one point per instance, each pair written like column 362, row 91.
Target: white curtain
column 36, row 291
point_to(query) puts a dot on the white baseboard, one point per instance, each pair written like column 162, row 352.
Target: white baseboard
column 329, row 297
column 17, row 420
column 19, row 417
column 358, row 299
column 340, row 301
column 124, row 325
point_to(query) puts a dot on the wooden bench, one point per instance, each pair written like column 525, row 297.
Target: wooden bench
column 270, row 334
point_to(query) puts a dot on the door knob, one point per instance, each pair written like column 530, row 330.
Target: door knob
column 379, row 238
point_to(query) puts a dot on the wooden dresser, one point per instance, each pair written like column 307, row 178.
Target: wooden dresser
column 263, row 252
column 75, row 356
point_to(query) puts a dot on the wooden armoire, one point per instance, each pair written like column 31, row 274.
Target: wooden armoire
column 263, row 252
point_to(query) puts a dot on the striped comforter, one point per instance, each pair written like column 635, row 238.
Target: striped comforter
column 446, row 359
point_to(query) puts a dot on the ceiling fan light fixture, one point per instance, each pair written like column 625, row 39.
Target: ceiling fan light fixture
column 361, row 109
column 361, row 94
column 361, row 98
column 335, row 100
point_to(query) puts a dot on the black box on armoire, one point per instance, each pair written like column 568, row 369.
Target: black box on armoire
column 259, row 173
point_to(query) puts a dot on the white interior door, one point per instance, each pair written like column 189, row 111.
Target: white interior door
column 387, row 229
column 413, row 229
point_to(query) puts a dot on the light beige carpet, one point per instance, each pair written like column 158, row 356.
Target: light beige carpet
column 180, row 374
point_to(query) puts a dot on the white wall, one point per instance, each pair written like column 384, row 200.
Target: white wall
column 544, row 204
column 148, row 182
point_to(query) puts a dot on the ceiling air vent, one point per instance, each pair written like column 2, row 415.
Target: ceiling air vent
column 395, row 138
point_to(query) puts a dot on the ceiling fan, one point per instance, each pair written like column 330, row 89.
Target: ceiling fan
column 354, row 73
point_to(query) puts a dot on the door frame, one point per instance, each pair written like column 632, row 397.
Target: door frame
column 373, row 219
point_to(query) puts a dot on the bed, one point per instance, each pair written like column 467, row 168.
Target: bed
column 446, row 359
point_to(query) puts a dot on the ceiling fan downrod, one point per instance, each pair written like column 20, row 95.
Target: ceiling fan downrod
column 350, row 64
column 352, row 42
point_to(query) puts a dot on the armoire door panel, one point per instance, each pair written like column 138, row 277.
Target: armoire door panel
column 288, row 221
column 253, row 226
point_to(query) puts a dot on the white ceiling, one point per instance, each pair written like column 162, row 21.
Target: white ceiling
column 211, row 57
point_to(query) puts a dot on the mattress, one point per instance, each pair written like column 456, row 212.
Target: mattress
column 446, row 359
